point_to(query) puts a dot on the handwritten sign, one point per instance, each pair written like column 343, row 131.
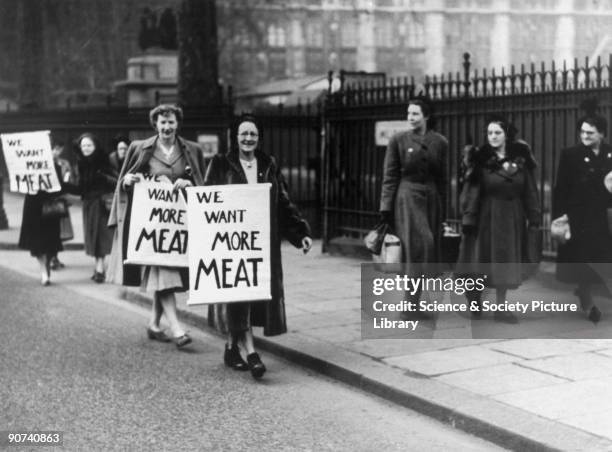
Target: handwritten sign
column 158, row 225
column 229, row 243
column 30, row 162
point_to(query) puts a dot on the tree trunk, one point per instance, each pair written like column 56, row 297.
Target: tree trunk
column 31, row 93
column 198, row 84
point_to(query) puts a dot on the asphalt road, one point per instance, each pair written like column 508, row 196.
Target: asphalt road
column 85, row 367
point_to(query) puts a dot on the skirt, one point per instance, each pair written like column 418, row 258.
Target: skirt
column 98, row 236
column 158, row 279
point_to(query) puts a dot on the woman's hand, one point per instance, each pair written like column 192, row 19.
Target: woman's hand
column 306, row 244
column 130, row 179
column 179, row 184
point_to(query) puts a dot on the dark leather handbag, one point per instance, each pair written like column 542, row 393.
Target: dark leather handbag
column 54, row 208
column 374, row 239
column 532, row 251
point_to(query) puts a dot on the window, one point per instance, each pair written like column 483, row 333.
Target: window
column 384, row 35
column 348, row 33
column 276, row 36
column 415, row 34
column 314, row 34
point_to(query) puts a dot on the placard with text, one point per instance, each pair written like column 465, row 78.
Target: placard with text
column 30, row 162
column 229, row 243
column 158, row 225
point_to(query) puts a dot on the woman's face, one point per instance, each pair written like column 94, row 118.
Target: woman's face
column 416, row 119
column 248, row 137
column 166, row 126
column 121, row 149
column 590, row 136
column 496, row 135
column 87, row 146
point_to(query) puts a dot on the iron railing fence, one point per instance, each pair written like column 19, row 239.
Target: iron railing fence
column 543, row 103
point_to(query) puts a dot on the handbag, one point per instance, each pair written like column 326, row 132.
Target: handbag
column 390, row 250
column 107, row 201
column 374, row 239
column 66, row 231
column 54, row 208
column 560, row 229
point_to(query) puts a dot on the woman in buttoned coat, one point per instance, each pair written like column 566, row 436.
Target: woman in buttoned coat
column 182, row 162
column 414, row 190
column 580, row 193
column 247, row 164
column 499, row 202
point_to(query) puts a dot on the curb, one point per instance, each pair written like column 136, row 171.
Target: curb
column 7, row 246
column 556, row 436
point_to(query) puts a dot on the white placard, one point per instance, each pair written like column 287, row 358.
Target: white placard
column 158, row 225
column 229, row 243
column 384, row 130
column 30, row 162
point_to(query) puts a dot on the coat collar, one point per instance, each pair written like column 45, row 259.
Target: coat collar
column 264, row 162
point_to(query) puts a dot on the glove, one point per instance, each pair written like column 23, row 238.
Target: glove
column 386, row 216
column 469, row 229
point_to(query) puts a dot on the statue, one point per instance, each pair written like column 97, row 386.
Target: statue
column 154, row 34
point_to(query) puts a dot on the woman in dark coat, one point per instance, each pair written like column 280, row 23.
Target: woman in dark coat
column 499, row 201
column 181, row 161
column 580, row 194
column 40, row 235
column 413, row 194
column 248, row 165
column 96, row 182
column 117, row 157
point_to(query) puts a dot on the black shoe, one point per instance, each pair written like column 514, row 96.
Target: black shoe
column 157, row 335
column 256, row 366
column 594, row 314
column 99, row 277
column 505, row 317
column 56, row 264
column 182, row 340
column 232, row 358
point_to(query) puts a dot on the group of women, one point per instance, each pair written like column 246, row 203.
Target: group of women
column 500, row 206
column 182, row 162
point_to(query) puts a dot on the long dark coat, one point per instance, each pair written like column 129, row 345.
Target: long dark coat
column 580, row 193
column 499, row 202
column 137, row 160
column 285, row 221
column 39, row 235
column 414, row 189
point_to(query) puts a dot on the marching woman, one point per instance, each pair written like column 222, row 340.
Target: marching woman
column 96, row 181
column 413, row 194
column 182, row 163
column 499, row 202
column 249, row 165
column 581, row 195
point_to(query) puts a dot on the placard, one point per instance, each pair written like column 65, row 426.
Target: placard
column 384, row 130
column 158, row 224
column 30, row 162
column 229, row 243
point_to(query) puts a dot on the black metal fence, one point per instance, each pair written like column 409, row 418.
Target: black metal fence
column 543, row 102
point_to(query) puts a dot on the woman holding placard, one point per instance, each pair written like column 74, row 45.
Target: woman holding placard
column 40, row 228
column 181, row 161
column 249, row 165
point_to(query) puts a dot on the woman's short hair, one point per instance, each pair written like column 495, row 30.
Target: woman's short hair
column 595, row 120
column 164, row 110
column 246, row 117
column 423, row 103
column 509, row 129
column 120, row 138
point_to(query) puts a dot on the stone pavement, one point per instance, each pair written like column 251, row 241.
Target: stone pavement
column 550, row 393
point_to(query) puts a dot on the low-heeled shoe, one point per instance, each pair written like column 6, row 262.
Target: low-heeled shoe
column 183, row 340
column 255, row 365
column 594, row 314
column 99, row 277
column 157, row 335
column 233, row 359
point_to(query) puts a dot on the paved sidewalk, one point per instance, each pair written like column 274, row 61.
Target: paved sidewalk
column 524, row 394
